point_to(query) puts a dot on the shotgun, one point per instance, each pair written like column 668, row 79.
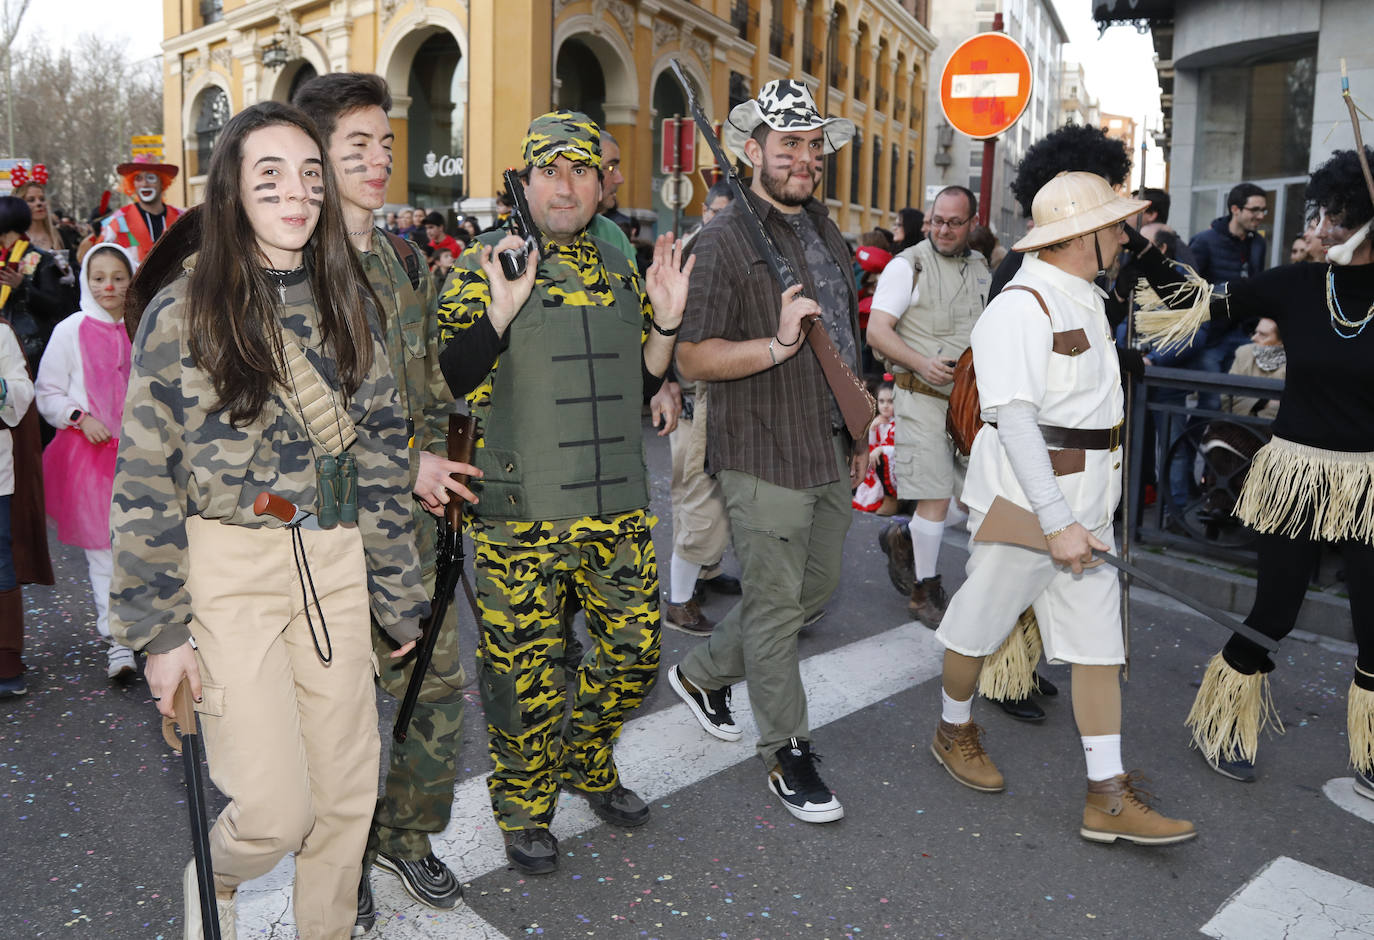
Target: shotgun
column 449, row 561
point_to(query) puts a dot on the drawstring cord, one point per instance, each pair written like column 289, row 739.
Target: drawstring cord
column 303, row 576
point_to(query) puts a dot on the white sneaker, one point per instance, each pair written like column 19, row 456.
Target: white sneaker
column 122, row 663
column 195, row 928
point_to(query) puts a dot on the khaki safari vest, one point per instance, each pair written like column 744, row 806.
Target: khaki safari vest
column 561, row 435
column 952, row 295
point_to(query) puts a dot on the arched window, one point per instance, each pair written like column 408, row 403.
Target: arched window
column 437, row 89
column 855, row 156
column 211, row 116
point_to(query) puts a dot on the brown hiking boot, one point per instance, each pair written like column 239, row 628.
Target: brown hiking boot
column 1116, row 809
column 959, row 750
column 928, row 601
column 895, row 541
column 688, row 618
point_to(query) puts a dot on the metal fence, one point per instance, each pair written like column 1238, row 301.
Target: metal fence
column 1196, row 453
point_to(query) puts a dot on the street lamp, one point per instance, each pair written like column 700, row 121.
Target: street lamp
column 274, row 54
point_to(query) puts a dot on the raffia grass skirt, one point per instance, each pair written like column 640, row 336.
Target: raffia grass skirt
column 1299, row 490
column 1009, row 674
column 1230, row 711
column 1360, row 725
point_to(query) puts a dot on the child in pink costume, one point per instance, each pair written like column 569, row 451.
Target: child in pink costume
column 80, row 390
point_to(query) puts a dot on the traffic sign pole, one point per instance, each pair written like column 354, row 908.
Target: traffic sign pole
column 985, row 181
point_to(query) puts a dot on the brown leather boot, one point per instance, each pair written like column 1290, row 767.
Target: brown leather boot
column 688, row 618
column 1116, row 809
column 12, row 640
column 928, row 601
column 959, row 750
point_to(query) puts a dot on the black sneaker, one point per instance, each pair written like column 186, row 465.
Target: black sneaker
column 711, row 709
column 533, row 851
column 1238, row 769
column 367, row 911
column 427, row 880
column 619, row 806
column 795, row 780
column 720, row 584
column 1364, row 785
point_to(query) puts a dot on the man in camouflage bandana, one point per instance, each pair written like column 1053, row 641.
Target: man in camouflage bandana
column 556, row 366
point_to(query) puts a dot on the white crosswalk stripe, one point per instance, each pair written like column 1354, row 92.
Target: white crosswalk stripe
column 658, row 754
column 1288, row 900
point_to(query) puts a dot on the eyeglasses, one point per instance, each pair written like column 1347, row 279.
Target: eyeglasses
column 1258, row 210
column 937, row 222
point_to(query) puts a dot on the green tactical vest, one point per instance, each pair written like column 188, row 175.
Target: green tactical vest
column 561, row 438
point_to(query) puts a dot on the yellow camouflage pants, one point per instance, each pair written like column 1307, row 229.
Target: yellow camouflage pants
column 520, row 668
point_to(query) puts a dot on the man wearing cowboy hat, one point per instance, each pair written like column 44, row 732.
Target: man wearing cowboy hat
column 143, row 221
column 1048, row 377
column 776, row 439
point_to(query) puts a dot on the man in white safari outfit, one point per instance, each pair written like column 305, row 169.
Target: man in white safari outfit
column 1050, row 389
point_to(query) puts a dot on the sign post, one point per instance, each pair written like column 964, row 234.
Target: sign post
column 679, row 147
column 984, row 90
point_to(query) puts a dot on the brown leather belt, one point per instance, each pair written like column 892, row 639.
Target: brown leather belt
column 1082, row 438
column 912, row 383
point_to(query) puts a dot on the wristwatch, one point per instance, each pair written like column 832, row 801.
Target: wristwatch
column 76, row 416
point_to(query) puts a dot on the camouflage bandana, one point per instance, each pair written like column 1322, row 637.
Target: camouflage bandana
column 570, row 133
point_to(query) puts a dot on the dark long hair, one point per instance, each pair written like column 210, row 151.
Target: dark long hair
column 233, row 322
column 912, row 220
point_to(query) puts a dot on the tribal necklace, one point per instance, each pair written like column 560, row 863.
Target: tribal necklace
column 281, row 277
column 1338, row 319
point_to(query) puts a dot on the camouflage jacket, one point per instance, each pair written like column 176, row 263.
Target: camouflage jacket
column 411, row 333
column 177, row 459
column 412, row 344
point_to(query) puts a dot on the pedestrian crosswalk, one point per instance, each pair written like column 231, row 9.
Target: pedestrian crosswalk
column 658, row 754
column 1288, row 900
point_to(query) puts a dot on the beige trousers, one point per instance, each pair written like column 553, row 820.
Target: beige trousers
column 291, row 742
column 701, row 531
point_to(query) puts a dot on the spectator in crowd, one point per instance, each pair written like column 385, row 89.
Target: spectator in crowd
column 1232, row 247
column 470, row 229
column 80, row 390
column 45, row 230
column 982, row 240
column 1262, row 358
column 1297, row 252
column 392, row 225
column 606, row 224
column 878, row 491
column 441, row 265
column 909, row 229
column 33, row 297
column 439, row 239
column 16, row 394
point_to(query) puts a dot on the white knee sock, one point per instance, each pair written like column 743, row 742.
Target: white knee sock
column 683, row 575
column 954, row 711
column 1103, row 754
column 925, row 545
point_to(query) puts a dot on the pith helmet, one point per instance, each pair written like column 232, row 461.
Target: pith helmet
column 1074, row 204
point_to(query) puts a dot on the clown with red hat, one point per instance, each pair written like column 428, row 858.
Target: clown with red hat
column 143, row 221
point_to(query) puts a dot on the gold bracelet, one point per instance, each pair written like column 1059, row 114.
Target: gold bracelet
column 1057, row 532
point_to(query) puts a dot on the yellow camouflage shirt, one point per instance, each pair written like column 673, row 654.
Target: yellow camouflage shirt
column 463, row 305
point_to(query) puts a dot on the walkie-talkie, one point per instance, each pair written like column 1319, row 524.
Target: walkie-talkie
column 514, row 260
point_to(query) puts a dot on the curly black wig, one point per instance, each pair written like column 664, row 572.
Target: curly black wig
column 1073, row 147
column 1338, row 186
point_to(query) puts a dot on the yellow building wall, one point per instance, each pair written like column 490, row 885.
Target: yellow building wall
column 510, row 61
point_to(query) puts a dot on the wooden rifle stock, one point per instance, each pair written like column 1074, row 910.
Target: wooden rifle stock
column 462, row 440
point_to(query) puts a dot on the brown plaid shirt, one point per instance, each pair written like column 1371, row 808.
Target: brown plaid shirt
column 776, row 424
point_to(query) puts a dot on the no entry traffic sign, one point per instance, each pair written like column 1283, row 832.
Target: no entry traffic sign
column 986, row 85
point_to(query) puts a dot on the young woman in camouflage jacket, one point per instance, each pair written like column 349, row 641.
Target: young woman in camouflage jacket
column 269, row 624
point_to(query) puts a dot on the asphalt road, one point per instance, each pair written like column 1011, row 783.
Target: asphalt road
column 92, row 806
